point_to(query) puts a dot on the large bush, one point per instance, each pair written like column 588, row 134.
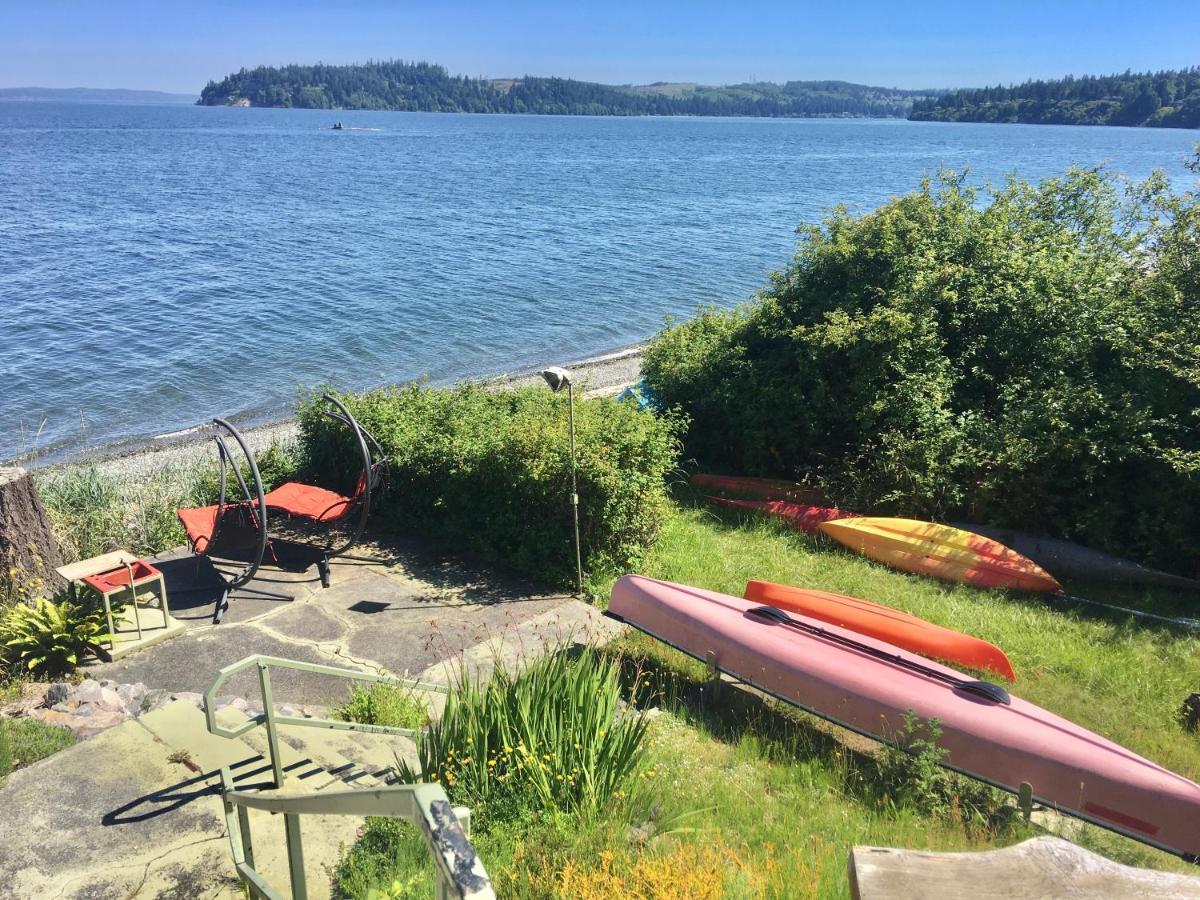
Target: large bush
column 1028, row 357
column 491, row 470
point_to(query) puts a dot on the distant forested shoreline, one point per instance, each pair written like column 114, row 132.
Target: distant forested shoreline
column 1169, row 99
column 420, row 86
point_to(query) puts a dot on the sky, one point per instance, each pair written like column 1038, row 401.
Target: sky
column 179, row 45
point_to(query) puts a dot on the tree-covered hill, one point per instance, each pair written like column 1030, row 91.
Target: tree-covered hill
column 399, row 85
column 1160, row 99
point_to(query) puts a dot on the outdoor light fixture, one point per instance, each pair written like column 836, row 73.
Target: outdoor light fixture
column 558, row 377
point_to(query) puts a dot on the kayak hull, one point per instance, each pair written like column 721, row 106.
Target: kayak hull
column 1004, row 744
column 940, row 551
column 1066, row 559
column 885, row 624
column 759, row 488
column 800, row 516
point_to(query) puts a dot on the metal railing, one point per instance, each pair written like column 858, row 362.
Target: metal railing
column 460, row 873
column 273, row 720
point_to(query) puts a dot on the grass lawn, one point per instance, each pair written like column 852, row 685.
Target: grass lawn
column 24, row 741
column 748, row 798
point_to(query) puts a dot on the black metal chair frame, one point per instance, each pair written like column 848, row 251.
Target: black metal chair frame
column 375, row 479
column 252, row 509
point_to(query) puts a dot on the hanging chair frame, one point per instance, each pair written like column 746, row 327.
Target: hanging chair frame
column 252, row 509
column 373, row 482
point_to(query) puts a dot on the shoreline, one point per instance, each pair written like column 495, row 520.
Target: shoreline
column 598, row 375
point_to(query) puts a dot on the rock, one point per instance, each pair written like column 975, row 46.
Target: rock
column 132, row 696
column 191, row 697
column 87, row 726
column 56, row 693
column 63, row 707
column 88, row 692
column 110, row 699
column 32, row 696
column 83, row 709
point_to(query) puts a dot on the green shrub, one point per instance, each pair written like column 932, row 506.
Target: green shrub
column 910, row 773
column 383, row 704
column 551, row 737
column 491, row 470
column 1028, row 356
column 49, row 639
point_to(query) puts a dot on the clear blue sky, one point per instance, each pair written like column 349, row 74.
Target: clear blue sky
column 178, row 45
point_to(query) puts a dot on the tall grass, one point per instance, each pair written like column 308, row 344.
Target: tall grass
column 549, row 737
column 93, row 512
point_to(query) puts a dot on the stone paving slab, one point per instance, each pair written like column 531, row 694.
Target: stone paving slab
column 88, row 822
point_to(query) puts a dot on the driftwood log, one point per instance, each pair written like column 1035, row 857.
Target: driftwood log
column 1040, row 868
column 28, row 551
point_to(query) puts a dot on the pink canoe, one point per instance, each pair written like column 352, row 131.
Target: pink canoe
column 868, row 685
column 800, row 516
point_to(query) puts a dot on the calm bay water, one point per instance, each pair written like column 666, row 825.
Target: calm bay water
column 161, row 265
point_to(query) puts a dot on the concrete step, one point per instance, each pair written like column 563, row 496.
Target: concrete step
column 372, row 754
column 574, row 622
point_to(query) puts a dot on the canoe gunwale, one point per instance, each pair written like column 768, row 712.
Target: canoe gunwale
column 715, row 667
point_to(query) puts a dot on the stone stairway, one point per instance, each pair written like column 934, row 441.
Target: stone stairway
column 134, row 812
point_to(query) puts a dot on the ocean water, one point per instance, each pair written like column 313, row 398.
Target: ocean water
column 162, row 265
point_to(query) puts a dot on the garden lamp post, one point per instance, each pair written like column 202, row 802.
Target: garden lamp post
column 557, row 378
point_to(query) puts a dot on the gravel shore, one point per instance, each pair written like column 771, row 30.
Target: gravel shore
column 598, row 375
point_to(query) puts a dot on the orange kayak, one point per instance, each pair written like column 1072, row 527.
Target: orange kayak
column 759, row 488
column 940, row 551
column 885, row 624
column 800, row 516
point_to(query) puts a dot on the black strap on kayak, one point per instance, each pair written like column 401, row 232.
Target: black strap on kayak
column 1193, row 624
column 984, row 689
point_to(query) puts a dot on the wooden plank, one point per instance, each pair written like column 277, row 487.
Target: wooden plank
column 1044, row 867
column 106, row 562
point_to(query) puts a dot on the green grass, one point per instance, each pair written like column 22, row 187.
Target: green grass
column 25, row 741
column 750, row 798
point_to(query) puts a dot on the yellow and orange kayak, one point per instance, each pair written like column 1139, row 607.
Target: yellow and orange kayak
column 940, row 551
column 885, row 624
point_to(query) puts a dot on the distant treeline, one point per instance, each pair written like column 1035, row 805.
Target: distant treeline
column 1161, row 99
column 420, row 86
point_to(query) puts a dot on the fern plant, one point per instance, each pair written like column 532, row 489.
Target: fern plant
column 49, row 638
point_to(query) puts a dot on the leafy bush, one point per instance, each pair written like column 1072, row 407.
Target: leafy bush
column 491, row 470
column 910, row 773
column 1030, row 361
column 383, row 704
column 49, row 639
column 276, row 465
column 550, row 737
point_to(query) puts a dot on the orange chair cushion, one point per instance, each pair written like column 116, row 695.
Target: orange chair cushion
column 309, row 502
column 199, row 523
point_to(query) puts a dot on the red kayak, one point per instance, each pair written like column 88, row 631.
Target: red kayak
column 885, row 624
column 867, row 686
column 800, row 516
column 759, row 488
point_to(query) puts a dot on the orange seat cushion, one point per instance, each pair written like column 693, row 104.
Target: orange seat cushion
column 107, row 582
column 309, row 502
column 199, row 523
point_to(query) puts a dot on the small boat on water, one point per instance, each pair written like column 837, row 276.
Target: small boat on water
column 800, row 516
column 868, row 686
column 884, row 623
column 941, row 551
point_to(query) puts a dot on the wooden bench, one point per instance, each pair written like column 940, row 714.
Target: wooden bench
column 1044, row 867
